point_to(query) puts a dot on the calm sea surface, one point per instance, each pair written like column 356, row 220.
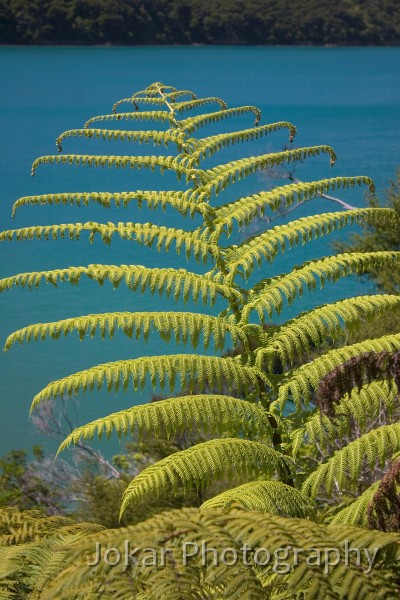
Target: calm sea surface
column 347, row 98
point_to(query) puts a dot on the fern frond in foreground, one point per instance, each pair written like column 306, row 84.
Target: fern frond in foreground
column 302, row 570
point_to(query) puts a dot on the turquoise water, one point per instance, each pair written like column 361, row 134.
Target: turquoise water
column 347, row 98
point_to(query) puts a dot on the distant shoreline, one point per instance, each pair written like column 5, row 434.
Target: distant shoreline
column 195, row 45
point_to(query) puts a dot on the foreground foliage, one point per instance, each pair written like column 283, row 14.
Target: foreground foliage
column 174, row 556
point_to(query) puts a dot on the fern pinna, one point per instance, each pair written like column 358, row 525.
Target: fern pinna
column 256, row 407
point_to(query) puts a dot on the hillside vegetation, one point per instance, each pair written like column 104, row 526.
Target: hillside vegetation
column 131, row 22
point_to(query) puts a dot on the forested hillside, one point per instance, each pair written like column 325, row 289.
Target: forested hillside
column 130, row 22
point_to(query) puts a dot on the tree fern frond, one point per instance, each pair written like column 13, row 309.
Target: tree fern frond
column 193, row 243
column 273, row 497
column 209, row 413
column 157, row 137
column 185, row 327
column 176, row 282
column 228, row 173
column 302, row 381
column 152, row 199
column 360, row 406
column 267, row 245
column 178, row 107
column 244, row 210
column 136, row 100
column 189, row 371
column 154, row 115
column 374, row 447
column 181, row 107
column 268, row 294
column 310, row 329
column 193, row 123
column 354, row 513
column 210, row 145
column 134, row 162
column 201, row 464
column 172, row 96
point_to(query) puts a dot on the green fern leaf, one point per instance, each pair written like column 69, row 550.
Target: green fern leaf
column 193, row 242
column 201, row 464
column 157, row 137
column 302, row 381
column 271, row 497
column 243, row 211
column 190, row 371
column 176, row 282
column 193, row 123
column 268, row 295
column 354, row 513
column 310, row 329
column 220, row 177
column 361, row 407
column 178, row 107
column 154, row 115
column 152, row 199
column 134, row 162
column 210, row 145
column 186, row 327
column 267, row 245
column 209, row 413
column 345, row 465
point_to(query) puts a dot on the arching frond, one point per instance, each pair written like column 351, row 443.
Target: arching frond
column 172, row 96
column 210, row 145
column 344, row 467
column 176, row 282
column 157, row 137
column 193, row 123
column 134, row 162
column 181, row 107
column 152, row 199
column 178, row 107
column 184, row 327
column 219, row 177
column 209, row 413
column 273, row 497
column 267, row 245
column 189, row 371
column 361, row 406
column 302, row 381
column 269, row 293
column 136, row 100
column 201, row 464
column 153, row 115
column 354, row 513
column 244, row 210
column 300, row 335
column 193, row 243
